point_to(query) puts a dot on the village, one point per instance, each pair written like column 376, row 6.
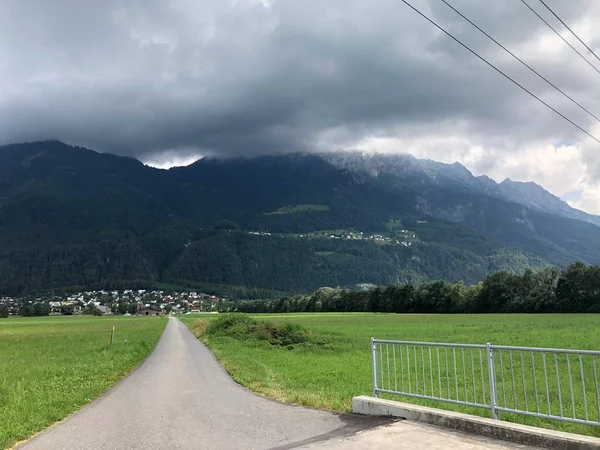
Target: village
column 406, row 241
column 105, row 302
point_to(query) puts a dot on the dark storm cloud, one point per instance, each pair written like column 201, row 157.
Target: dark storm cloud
column 248, row 77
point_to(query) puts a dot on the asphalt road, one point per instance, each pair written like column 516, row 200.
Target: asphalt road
column 181, row 398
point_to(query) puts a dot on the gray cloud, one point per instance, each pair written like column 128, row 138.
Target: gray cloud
column 144, row 77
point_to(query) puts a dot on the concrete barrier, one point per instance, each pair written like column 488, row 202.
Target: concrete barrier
column 507, row 431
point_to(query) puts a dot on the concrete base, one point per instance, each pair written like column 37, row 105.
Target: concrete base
column 507, row 431
column 408, row 435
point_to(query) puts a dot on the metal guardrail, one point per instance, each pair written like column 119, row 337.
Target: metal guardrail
column 548, row 383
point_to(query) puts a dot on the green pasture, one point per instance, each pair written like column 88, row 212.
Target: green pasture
column 51, row 366
column 336, row 364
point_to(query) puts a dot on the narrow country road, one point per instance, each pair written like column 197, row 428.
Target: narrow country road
column 181, row 398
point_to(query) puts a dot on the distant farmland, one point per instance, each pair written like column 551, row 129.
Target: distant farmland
column 51, row 366
column 335, row 364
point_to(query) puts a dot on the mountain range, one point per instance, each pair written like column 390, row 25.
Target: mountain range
column 528, row 194
column 74, row 218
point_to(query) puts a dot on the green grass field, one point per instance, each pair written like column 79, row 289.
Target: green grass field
column 51, row 366
column 327, row 376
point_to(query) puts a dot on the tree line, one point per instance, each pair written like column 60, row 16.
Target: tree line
column 37, row 309
column 550, row 290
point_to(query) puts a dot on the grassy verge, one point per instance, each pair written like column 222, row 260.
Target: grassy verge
column 51, row 366
column 334, row 364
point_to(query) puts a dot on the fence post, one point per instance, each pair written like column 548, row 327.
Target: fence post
column 374, row 358
column 492, row 377
column 112, row 335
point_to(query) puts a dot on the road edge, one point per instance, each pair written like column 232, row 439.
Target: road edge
column 94, row 400
column 497, row 429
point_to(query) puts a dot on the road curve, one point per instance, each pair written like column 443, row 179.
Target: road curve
column 181, row 398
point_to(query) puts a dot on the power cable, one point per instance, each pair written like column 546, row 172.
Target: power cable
column 499, row 71
column 521, row 61
column 567, row 27
column 560, row 36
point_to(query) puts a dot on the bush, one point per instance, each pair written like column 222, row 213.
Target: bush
column 289, row 334
column 225, row 324
column 92, row 310
column 244, row 327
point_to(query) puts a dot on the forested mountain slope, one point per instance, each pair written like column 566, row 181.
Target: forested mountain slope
column 73, row 217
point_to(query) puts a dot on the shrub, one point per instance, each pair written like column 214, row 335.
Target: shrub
column 244, row 327
column 92, row 310
column 289, row 334
column 227, row 323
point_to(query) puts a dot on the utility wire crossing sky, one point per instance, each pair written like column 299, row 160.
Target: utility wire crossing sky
column 168, row 82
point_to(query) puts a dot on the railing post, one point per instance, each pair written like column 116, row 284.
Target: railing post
column 492, row 377
column 374, row 359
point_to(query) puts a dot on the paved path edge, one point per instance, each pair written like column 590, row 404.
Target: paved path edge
column 94, row 400
column 497, row 429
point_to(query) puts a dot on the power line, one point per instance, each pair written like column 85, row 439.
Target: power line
column 499, row 71
column 520, row 60
column 560, row 36
column 567, row 27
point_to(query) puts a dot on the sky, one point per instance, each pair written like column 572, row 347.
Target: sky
column 169, row 82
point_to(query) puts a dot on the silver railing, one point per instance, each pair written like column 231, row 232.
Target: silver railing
column 548, row 383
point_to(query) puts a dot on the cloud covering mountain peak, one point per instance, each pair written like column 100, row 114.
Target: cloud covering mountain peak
column 167, row 82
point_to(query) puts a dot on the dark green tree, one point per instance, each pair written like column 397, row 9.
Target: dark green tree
column 92, row 310
column 571, row 288
column 41, row 309
column 226, row 224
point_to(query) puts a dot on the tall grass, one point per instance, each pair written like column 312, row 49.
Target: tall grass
column 244, row 327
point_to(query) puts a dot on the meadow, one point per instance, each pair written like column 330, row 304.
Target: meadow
column 51, row 366
column 336, row 365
